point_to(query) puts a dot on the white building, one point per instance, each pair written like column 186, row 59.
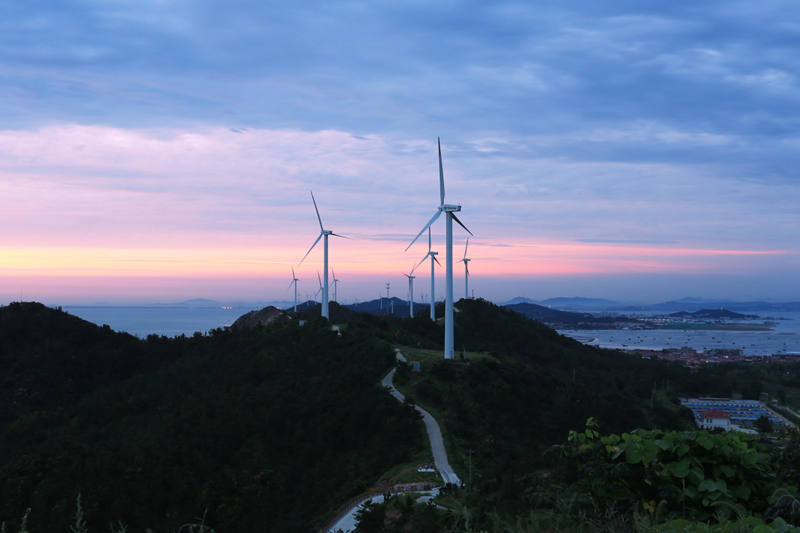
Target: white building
column 713, row 419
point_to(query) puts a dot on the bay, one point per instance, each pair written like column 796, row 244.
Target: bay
column 142, row 321
column 784, row 339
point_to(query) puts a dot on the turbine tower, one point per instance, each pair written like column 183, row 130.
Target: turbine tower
column 466, row 261
column 322, row 233
column 294, row 282
column 432, row 255
column 410, row 277
column 451, row 210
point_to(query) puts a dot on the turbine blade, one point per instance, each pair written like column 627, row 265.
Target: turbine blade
column 441, row 173
column 429, row 238
column 319, row 278
column 426, row 226
column 437, row 261
column 418, row 264
column 317, row 210
column 460, row 223
column 293, row 276
column 341, row 236
column 465, row 248
column 309, row 250
column 290, row 283
column 466, row 268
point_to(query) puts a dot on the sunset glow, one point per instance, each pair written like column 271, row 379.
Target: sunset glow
column 187, row 173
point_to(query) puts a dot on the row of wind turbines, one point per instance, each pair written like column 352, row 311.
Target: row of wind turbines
column 450, row 211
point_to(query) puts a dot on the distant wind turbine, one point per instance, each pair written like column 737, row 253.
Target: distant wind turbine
column 410, row 277
column 322, row 233
column 451, row 210
column 320, row 287
column 466, row 261
column 432, row 255
column 294, row 282
column 335, row 286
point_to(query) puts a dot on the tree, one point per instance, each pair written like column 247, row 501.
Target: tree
column 763, row 425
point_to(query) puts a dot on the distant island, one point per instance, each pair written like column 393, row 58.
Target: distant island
column 704, row 319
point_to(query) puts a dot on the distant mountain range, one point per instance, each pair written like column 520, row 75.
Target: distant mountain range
column 560, row 319
column 690, row 304
column 575, row 303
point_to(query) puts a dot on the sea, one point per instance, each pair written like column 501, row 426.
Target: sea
column 784, row 339
column 170, row 321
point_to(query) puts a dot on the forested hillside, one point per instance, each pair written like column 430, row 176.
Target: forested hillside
column 272, row 428
column 265, row 429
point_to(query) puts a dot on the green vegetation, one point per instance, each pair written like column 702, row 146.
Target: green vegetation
column 525, row 387
column 266, row 429
column 274, row 427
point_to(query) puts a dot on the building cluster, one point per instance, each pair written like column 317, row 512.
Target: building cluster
column 692, row 358
column 731, row 414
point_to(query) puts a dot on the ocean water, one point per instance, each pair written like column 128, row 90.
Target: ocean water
column 173, row 321
column 159, row 320
column 784, row 339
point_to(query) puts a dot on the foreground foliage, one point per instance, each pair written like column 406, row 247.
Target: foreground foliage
column 265, row 429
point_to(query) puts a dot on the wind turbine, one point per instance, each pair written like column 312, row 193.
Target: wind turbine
column 320, row 287
column 294, row 282
column 451, row 210
column 432, row 255
column 410, row 277
column 466, row 261
column 335, row 286
column 322, row 233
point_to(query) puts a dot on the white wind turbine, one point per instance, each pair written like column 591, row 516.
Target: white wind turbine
column 410, row 277
column 322, row 233
column 432, row 255
column 294, row 282
column 335, row 287
column 466, row 261
column 320, row 287
column 451, row 210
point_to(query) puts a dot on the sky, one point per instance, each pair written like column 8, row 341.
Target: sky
column 162, row 150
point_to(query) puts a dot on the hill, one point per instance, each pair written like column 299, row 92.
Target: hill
column 272, row 427
column 264, row 429
column 563, row 319
column 260, row 317
column 581, row 304
column 714, row 314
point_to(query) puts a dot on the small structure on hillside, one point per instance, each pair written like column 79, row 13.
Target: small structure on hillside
column 714, row 418
column 415, row 366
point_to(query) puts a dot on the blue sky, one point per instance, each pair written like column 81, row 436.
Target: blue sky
column 657, row 127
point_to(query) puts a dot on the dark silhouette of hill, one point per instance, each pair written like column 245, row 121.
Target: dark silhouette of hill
column 260, row 317
column 716, row 314
column 387, row 306
column 557, row 318
column 268, row 428
column 50, row 358
column 272, row 427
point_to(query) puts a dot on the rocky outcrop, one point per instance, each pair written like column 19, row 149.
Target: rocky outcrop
column 261, row 317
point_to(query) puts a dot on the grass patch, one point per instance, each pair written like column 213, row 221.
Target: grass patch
column 428, row 357
column 456, row 454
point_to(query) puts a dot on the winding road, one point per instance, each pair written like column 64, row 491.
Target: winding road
column 347, row 522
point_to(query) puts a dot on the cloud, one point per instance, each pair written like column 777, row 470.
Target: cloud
column 584, row 122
